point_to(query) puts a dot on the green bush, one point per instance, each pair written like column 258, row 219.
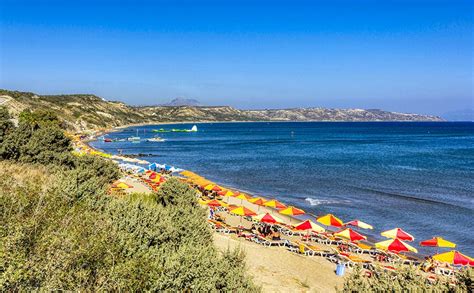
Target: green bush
column 6, row 125
column 52, row 240
column 405, row 279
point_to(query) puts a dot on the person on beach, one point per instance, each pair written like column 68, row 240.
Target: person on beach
column 211, row 213
column 275, row 234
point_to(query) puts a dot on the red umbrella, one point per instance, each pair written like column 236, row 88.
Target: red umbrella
column 267, row 218
column 395, row 245
column 398, row 233
column 309, row 225
column 350, row 234
column 214, row 203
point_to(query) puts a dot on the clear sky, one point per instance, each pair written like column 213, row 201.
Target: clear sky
column 410, row 56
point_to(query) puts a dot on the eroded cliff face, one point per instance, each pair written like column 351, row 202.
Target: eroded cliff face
column 82, row 112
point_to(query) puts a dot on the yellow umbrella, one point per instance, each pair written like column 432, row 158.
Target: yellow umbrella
column 209, row 186
column 242, row 197
column 258, row 200
column 438, row 242
column 395, row 245
column 454, row 257
column 360, row 224
column 350, row 234
column 229, row 193
column 398, row 233
column 330, row 220
column 291, row 211
column 274, row 204
column 123, row 185
column 242, row 211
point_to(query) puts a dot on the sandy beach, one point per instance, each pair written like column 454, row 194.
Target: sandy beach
column 279, row 270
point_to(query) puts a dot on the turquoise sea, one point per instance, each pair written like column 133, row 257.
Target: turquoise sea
column 417, row 176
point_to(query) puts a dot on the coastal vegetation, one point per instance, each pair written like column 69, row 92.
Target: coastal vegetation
column 62, row 231
column 405, row 279
column 82, row 112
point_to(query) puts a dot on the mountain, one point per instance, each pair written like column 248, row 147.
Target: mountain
column 182, row 102
column 82, row 111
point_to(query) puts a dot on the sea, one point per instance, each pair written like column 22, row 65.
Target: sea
column 418, row 176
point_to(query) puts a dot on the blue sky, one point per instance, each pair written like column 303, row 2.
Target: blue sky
column 410, row 56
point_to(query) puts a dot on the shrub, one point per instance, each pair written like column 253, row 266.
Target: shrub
column 6, row 124
column 96, row 242
column 404, row 279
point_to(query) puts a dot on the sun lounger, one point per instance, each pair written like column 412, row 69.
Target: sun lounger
column 444, row 271
column 290, row 231
column 222, row 227
column 350, row 260
column 361, row 248
column 311, row 250
column 269, row 242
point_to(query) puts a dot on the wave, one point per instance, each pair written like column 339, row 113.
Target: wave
column 407, row 167
column 317, row 202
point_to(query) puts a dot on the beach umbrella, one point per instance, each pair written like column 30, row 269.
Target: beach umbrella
column 398, row 233
column 395, row 245
column 350, row 234
column 258, row 201
column 215, row 203
column 267, row 218
column 122, row 185
column 437, row 242
column 274, row 204
column 291, row 211
column 242, row 211
column 309, row 225
column 212, row 187
column 153, row 175
column 216, row 188
column 454, row 257
column 330, row 220
column 229, row 193
column 360, row 224
column 242, row 197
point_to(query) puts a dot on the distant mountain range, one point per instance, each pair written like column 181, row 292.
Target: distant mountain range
column 183, row 102
column 82, row 111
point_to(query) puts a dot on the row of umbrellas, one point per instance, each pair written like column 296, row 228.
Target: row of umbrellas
column 396, row 243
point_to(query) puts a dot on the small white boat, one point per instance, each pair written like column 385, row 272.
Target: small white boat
column 156, row 139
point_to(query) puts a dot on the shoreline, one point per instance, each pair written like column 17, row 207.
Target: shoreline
column 294, row 219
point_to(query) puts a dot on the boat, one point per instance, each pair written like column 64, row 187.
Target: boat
column 162, row 130
column 107, row 140
column 155, row 139
column 134, row 138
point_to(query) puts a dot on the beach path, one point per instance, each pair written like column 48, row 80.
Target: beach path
column 278, row 270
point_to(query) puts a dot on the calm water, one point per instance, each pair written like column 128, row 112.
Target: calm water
column 418, row 176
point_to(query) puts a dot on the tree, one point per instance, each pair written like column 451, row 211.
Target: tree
column 6, row 125
column 45, row 146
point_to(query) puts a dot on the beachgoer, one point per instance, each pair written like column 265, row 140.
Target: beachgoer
column 276, row 234
column 211, row 213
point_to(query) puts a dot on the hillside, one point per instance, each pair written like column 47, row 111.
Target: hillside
column 82, row 111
